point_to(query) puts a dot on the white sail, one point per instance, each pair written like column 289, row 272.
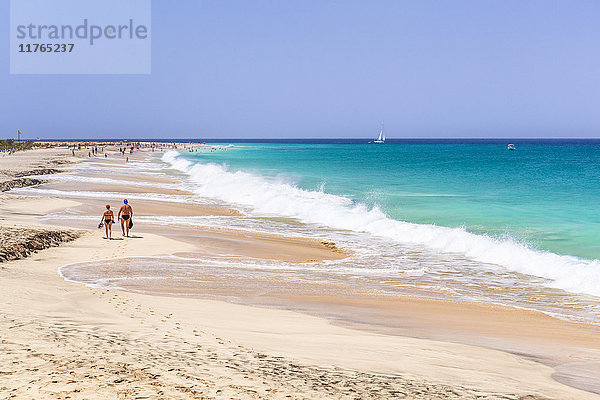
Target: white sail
column 381, row 137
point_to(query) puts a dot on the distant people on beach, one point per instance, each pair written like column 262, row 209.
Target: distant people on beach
column 126, row 217
column 107, row 219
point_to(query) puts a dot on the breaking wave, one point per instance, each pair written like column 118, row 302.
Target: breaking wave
column 273, row 196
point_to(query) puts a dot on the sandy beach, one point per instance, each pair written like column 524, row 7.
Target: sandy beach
column 225, row 338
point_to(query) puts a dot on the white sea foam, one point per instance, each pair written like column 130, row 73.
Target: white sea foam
column 102, row 195
column 265, row 196
column 103, row 180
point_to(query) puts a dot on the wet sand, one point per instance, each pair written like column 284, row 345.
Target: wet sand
column 572, row 348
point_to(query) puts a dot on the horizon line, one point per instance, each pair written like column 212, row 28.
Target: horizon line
column 311, row 138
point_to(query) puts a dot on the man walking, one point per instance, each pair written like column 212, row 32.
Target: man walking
column 126, row 217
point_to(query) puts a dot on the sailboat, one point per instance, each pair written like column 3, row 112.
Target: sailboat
column 381, row 137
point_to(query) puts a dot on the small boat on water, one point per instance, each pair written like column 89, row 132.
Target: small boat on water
column 381, row 137
column 511, row 147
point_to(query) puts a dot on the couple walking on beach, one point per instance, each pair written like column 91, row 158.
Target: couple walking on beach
column 125, row 215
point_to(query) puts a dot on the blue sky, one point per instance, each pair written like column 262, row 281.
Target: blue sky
column 277, row 69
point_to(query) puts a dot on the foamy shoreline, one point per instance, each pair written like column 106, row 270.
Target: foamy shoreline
column 93, row 343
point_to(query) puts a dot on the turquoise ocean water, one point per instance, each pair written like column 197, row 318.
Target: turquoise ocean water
column 546, row 196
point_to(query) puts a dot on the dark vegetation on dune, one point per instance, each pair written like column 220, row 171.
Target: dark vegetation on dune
column 16, row 243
